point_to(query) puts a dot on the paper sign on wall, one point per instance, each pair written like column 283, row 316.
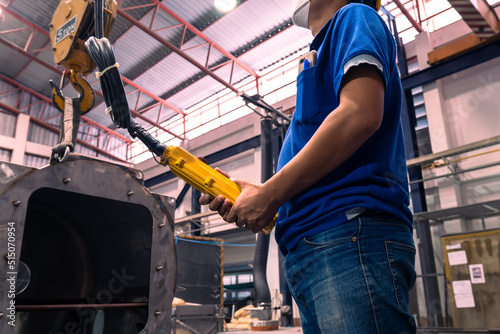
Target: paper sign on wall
column 456, row 258
column 477, row 273
column 464, row 301
column 462, row 291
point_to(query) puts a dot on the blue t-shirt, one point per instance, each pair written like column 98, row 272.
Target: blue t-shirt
column 375, row 176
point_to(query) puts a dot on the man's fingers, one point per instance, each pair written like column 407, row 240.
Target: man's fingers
column 222, row 172
column 202, row 159
column 216, row 203
column 224, row 207
column 230, row 217
column 205, row 199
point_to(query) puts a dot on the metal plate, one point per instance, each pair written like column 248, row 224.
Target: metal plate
column 66, row 29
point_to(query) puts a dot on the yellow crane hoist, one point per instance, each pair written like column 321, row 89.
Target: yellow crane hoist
column 72, row 24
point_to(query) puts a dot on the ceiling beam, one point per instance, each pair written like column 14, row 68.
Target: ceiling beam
column 134, row 113
column 407, row 14
column 56, row 130
column 206, row 39
column 479, row 16
column 237, row 53
column 175, row 49
column 46, row 33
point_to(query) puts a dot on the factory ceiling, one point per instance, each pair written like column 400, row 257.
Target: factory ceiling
column 172, row 54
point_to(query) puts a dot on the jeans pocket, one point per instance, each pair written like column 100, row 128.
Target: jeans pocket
column 324, row 242
column 401, row 259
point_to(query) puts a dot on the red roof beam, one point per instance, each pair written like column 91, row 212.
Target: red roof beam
column 46, row 99
column 407, row 14
column 203, row 36
column 51, row 128
column 153, row 96
column 60, row 72
column 193, row 30
column 175, row 49
column 98, row 93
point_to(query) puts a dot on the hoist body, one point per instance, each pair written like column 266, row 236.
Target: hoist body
column 72, row 24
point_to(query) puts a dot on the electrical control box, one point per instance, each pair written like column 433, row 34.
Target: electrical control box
column 472, row 266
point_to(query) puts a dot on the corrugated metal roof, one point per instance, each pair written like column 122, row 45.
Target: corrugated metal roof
column 149, row 63
column 38, row 12
column 249, row 20
column 10, row 62
column 258, row 32
column 40, row 135
column 287, row 43
column 7, row 124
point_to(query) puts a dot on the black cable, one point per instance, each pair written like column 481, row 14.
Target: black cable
column 99, row 26
column 101, row 51
column 113, row 92
column 137, row 131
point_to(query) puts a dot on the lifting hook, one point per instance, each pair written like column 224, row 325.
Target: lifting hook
column 85, row 91
column 72, row 109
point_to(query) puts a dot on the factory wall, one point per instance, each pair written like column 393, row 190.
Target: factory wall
column 461, row 109
column 24, row 142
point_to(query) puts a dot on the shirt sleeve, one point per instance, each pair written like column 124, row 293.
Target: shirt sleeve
column 363, row 59
column 360, row 36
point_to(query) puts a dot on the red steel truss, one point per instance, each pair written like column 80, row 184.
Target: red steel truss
column 32, row 55
column 157, row 6
column 86, row 125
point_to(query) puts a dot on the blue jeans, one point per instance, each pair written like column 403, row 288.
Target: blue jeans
column 354, row 278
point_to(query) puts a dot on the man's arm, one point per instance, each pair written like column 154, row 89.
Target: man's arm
column 340, row 135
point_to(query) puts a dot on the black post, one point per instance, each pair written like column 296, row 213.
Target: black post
column 262, row 293
column 286, row 310
column 195, row 208
column 417, row 194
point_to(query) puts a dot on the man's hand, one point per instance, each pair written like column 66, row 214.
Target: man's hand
column 254, row 209
column 219, row 203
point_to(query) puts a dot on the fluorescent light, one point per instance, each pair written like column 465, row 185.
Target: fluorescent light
column 225, row 5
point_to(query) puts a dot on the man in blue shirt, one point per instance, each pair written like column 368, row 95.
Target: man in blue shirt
column 341, row 188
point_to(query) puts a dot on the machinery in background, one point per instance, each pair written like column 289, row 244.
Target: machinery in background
column 200, row 263
column 89, row 250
